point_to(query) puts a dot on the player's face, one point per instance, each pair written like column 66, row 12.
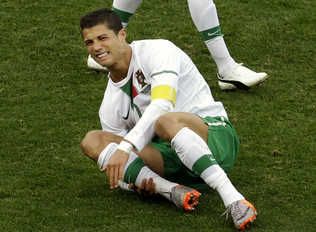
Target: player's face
column 104, row 45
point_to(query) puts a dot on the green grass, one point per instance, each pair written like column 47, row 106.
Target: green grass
column 49, row 100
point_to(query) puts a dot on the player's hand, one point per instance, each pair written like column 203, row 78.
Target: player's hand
column 147, row 188
column 115, row 167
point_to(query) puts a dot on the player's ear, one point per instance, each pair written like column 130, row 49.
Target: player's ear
column 122, row 34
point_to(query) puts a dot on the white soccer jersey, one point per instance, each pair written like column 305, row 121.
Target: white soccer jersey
column 158, row 69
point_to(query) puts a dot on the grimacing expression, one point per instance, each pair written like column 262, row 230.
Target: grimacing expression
column 103, row 44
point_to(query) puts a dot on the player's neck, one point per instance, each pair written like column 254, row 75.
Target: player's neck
column 119, row 70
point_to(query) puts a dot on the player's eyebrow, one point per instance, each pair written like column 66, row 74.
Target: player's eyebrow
column 103, row 35
column 98, row 36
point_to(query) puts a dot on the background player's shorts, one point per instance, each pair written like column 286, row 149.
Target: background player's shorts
column 222, row 141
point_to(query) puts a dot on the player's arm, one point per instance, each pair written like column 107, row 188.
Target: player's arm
column 109, row 116
column 163, row 67
column 163, row 100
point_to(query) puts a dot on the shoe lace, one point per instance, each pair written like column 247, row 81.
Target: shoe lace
column 226, row 212
column 234, row 210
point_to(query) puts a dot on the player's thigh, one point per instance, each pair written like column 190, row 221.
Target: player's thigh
column 169, row 124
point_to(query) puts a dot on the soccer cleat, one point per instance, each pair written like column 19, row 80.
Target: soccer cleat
column 92, row 64
column 185, row 197
column 240, row 77
column 243, row 213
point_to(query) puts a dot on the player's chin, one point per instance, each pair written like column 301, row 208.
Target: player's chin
column 104, row 62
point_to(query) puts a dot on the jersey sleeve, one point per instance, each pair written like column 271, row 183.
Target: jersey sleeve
column 164, row 68
column 114, row 128
column 110, row 112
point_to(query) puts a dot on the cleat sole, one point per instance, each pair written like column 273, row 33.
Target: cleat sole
column 191, row 200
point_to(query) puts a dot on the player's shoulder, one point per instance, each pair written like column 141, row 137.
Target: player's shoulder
column 151, row 45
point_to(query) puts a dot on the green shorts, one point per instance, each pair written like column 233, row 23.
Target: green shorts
column 222, row 141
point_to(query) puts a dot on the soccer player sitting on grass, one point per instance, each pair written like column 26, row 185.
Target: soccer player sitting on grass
column 159, row 120
column 231, row 75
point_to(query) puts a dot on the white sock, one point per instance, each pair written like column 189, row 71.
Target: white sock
column 162, row 186
column 196, row 155
column 217, row 179
column 125, row 9
column 190, row 148
column 205, row 18
column 220, row 54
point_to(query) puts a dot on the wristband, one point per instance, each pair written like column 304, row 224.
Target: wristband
column 125, row 146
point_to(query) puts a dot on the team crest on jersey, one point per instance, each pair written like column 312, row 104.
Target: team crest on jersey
column 140, row 78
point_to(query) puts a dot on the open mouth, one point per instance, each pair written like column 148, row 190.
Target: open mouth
column 102, row 55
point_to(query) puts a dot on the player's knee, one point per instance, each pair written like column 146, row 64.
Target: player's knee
column 95, row 141
column 167, row 125
column 90, row 143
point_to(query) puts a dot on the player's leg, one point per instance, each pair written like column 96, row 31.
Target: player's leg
column 125, row 10
column 205, row 18
column 95, row 142
column 189, row 136
column 230, row 74
column 100, row 145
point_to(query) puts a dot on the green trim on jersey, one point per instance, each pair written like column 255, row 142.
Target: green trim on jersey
column 203, row 163
column 137, row 110
column 165, row 71
column 124, row 16
column 211, row 33
column 127, row 88
column 133, row 170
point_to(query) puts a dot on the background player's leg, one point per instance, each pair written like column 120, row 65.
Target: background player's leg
column 204, row 16
column 125, row 9
column 230, row 74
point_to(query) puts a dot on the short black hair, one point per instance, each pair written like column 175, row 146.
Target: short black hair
column 101, row 16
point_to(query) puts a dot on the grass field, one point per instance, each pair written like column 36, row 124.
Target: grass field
column 49, row 100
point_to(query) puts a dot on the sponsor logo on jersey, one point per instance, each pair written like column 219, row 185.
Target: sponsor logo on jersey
column 126, row 117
